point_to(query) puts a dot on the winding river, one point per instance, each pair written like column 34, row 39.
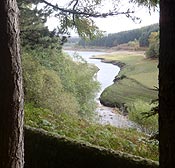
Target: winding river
column 105, row 75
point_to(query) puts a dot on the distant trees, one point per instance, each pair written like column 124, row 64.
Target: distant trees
column 153, row 50
column 111, row 40
column 146, row 31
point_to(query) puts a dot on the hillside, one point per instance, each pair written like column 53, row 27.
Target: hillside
column 115, row 39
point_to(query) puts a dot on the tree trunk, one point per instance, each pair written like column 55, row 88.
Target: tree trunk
column 11, row 92
column 167, row 84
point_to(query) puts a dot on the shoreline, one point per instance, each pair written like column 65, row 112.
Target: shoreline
column 121, row 108
column 87, row 49
column 110, row 50
column 122, row 79
column 117, row 63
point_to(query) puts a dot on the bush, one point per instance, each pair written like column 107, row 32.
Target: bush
column 54, row 81
column 136, row 114
column 153, row 50
column 43, row 87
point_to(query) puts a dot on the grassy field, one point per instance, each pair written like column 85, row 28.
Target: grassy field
column 126, row 91
column 138, row 82
column 137, row 67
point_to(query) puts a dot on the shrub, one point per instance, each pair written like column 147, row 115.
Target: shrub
column 54, row 81
column 136, row 114
column 153, row 50
column 43, row 87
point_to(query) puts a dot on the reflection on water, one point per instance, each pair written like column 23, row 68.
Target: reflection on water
column 105, row 75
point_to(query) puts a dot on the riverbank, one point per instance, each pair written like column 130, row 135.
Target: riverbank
column 74, row 127
column 134, row 87
column 87, row 49
column 105, row 75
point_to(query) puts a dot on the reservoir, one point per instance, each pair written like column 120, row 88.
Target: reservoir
column 105, row 76
column 106, row 73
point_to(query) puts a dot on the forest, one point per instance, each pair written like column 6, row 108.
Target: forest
column 112, row 40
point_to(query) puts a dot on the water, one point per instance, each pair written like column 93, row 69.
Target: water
column 105, row 75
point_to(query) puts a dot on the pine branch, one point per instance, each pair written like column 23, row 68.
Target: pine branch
column 85, row 14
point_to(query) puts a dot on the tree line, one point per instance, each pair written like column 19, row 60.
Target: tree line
column 115, row 39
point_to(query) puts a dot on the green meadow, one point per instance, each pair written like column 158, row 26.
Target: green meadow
column 137, row 67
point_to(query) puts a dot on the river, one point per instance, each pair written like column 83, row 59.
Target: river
column 105, row 75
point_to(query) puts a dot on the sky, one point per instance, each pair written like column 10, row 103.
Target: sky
column 122, row 23
column 119, row 23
